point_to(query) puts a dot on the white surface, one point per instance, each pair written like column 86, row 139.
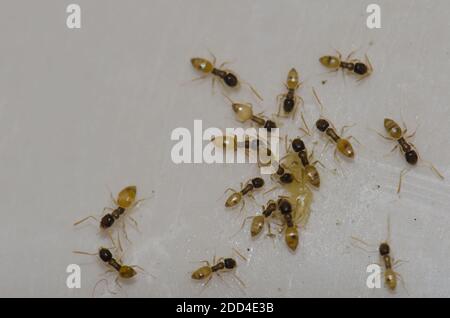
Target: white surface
column 83, row 109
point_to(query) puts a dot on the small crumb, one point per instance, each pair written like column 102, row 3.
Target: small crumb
column 324, row 82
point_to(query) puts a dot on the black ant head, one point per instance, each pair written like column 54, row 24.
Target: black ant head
column 288, row 105
column 280, row 170
column 229, row 263
column 286, row 178
column 258, row 182
column 269, row 125
column 322, row 124
column 360, row 68
column 105, row 254
column 107, row 221
column 298, row 145
column 284, row 206
column 384, row 249
column 411, row 157
column 230, row 79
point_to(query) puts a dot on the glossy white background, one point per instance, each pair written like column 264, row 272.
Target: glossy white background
column 84, row 110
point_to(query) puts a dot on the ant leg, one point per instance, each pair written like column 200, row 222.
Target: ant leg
column 199, row 78
column 398, row 263
column 238, row 279
column 279, row 104
column 221, row 278
column 362, row 242
column 392, row 150
column 124, row 230
column 402, row 281
column 107, row 287
column 255, row 92
column 275, row 187
column 243, row 205
column 431, row 166
column 116, row 281
column 85, row 253
column 336, row 158
column 383, row 136
column 213, row 57
column 270, row 234
column 306, row 130
column 112, row 197
column 326, row 146
column 242, row 226
column 318, row 100
column 227, row 190
column 239, row 254
column 135, row 223
column 402, row 174
column 206, row 284
column 81, row 221
column 344, row 128
column 351, row 137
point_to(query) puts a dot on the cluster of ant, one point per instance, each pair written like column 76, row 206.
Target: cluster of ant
column 296, row 171
column 125, row 202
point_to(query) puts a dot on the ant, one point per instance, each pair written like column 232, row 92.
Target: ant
column 292, row 217
column 244, row 112
column 384, row 250
column 312, row 175
column 290, row 99
column 228, row 78
column 221, row 265
column 343, row 145
column 230, row 142
column 238, row 196
column 126, row 200
column 288, row 179
column 395, row 133
column 259, row 220
column 123, row 271
column 291, row 233
column 354, row 66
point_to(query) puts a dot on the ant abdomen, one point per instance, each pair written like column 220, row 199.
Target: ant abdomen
column 257, row 225
column 233, row 200
column 291, row 237
column 126, row 271
column 313, row 175
column 345, row 147
column 330, row 61
column 202, row 273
